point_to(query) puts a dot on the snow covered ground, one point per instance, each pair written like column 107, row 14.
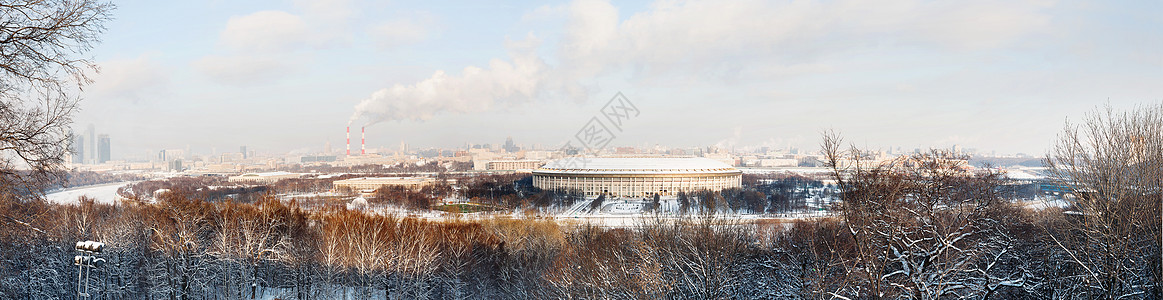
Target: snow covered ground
column 1043, row 202
column 629, row 213
column 291, row 196
column 101, row 193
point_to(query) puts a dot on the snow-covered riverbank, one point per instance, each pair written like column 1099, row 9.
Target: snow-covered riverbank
column 101, row 193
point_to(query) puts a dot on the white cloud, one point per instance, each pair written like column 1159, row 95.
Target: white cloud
column 703, row 34
column 271, row 31
column 985, row 24
column 130, row 79
column 704, row 39
column 330, row 10
column 403, row 31
column 265, row 46
column 545, row 12
column 242, row 69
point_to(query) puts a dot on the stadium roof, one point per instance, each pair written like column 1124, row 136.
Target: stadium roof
column 635, row 165
column 269, row 174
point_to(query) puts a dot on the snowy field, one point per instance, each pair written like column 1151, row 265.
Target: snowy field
column 630, row 213
column 1043, row 202
column 101, row 193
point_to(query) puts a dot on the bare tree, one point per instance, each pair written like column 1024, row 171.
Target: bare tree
column 596, row 205
column 924, row 226
column 39, row 72
column 177, row 228
column 1114, row 163
column 870, row 257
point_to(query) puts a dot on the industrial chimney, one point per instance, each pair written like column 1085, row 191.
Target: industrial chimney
column 348, row 140
column 362, row 142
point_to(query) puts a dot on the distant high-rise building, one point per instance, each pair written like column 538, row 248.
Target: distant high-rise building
column 78, row 149
column 510, row 146
column 91, row 156
column 175, row 165
column 102, row 148
column 327, row 147
column 171, row 154
column 242, row 149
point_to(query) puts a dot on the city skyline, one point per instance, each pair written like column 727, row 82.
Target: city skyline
column 95, row 149
column 996, row 76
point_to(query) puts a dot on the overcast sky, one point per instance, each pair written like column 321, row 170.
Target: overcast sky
column 289, row 75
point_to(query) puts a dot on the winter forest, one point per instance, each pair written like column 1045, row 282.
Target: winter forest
column 920, row 226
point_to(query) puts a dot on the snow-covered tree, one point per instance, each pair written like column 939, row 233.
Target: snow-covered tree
column 41, row 67
column 1113, row 161
column 925, row 226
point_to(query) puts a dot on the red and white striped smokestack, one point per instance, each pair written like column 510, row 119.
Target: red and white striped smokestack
column 348, row 140
column 362, row 144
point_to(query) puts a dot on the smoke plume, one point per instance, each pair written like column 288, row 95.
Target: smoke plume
column 521, row 79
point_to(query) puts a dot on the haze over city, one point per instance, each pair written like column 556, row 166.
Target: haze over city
column 281, row 76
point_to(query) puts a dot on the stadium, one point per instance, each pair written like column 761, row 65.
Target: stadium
column 636, row 177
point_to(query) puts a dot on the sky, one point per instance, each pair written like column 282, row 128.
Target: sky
column 288, row 76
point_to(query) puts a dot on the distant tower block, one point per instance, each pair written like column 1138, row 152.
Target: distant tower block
column 362, row 140
column 348, row 140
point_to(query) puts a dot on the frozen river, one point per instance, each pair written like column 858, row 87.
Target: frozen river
column 101, row 193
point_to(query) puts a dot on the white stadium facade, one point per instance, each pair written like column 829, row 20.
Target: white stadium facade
column 633, row 177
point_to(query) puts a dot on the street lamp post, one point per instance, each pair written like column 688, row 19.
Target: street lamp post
column 85, row 264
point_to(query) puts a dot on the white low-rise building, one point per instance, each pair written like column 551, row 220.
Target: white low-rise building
column 267, row 177
column 374, row 183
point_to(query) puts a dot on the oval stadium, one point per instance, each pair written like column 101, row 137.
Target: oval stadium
column 637, row 177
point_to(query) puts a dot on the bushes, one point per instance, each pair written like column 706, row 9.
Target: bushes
column 403, row 197
column 186, row 248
